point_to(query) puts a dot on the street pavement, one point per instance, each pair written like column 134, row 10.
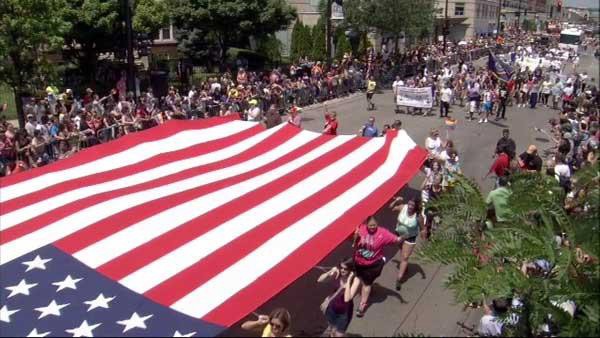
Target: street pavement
column 423, row 306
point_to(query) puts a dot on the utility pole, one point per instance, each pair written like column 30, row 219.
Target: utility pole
column 446, row 26
column 519, row 16
column 130, row 59
column 499, row 14
column 328, row 32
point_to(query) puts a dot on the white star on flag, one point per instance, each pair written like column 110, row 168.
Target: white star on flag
column 51, row 309
column 134, row 322
column 5, row 314
column 68, row 283
column 84, row 330
column 20, row 289
column 35, row 333
column 37, row 263
column 100, row 301
column 179, row 334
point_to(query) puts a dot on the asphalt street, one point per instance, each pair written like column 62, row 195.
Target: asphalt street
column 423, row 305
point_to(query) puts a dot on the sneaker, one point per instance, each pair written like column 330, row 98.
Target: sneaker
column 480, row 120
column 485, row 121
column 398, row 285
column 360, row 312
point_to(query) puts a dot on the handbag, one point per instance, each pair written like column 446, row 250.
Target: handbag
column 328, row 299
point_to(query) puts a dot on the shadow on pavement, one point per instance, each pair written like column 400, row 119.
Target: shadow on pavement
column 497, row 124
column 411, row 270
column 380, row 293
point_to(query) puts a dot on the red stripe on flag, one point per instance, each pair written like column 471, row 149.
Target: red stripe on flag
column 188, row 280
column 119, row 221
column 145, row 254
column 170, row 128
column 40, row 221
column 151, row 163
column 314, row 250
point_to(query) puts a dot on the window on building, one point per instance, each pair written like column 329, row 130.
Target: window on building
column 459, row 9
column 165, row 34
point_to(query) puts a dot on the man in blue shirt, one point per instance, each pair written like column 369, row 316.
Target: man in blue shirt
column 369, row 129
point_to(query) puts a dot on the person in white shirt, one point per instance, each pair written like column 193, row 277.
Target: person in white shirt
column 396, row 87
column 446, row 98
column 433, row 143
column 30, row 125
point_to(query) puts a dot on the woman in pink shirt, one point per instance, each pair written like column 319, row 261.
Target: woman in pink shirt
column 369, row 241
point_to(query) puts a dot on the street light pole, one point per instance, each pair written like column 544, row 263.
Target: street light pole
column 130, row 59
column 328, row 31
column 519, row 17
column 499, row 14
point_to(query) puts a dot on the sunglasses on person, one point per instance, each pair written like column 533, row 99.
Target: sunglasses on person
column 277, row 326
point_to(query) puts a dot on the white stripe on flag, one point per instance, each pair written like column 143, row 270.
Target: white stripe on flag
column 137, row 234
column 185, row 256
column 31, row 211
column 81, row 219
column 127, row 157
column 236, row 277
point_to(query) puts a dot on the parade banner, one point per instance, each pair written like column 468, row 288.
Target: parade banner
column 414, row 97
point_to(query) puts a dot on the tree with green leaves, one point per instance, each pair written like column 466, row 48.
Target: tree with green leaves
column 342, row 45
column 97, row 28
column 232, row 22
column 301, row 43
column 29, row 31
column 318, row 51
column 414, row 18
column 545, row 254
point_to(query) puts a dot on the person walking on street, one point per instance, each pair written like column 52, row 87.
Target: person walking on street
column 277, row 324
column 371, row 86
column 408, row 226
column 369, row 241
column 446, row 98
column 369, row 129
column 502, row 100
column 331, row 123
column 338, row 307
column 506, row 143
column 396, row 88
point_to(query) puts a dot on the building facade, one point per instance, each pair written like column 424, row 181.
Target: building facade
column 308, row 14
column 514, row 12
column 466, row 19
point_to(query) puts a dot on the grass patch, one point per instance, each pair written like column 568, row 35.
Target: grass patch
column 6, row 96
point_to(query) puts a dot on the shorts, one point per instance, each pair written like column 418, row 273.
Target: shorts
column 487, row 107
column 337, row 320
column 411, row 240
column 369, row 96
column 369, row 273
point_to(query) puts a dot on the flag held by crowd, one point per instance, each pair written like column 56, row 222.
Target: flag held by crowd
column 183, row 229
column 499, row 67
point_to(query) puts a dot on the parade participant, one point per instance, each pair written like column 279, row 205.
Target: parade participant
column 433, row 143
column 445, row 99
column 408, row 226
column 294, row 117
column 371, row 86
column 369, row 129
column 369, row 241
column 277, row 324
column 339, row 306
column 331, row 123
column 507, row 144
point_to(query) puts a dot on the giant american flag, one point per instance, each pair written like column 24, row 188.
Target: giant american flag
column 185, row 228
